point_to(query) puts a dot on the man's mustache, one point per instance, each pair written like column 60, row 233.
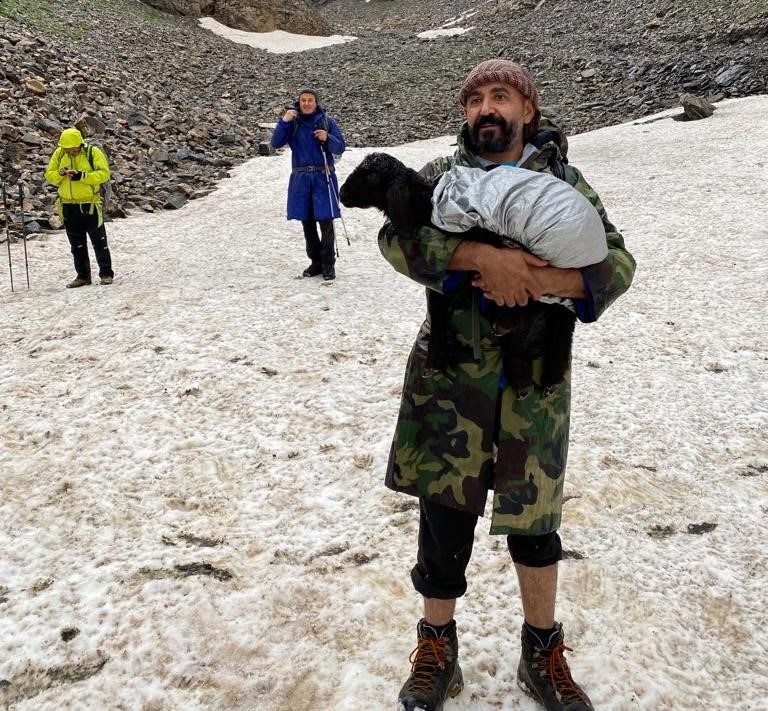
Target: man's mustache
column 490, row 121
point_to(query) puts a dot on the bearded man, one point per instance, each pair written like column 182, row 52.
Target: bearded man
column 463, row 431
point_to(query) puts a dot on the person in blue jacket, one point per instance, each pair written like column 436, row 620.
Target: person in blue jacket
column 313, row 191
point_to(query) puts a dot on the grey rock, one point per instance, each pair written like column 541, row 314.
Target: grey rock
column 136, row 118
column 175, row 201
column 32, row 227
column 32, row 139
column 91, row 126
column 9, row 132
column 696, row 107
column 727, row 76
column 159, row 155
column 53, row 127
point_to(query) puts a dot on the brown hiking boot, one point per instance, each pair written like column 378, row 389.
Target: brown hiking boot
column 435, row 671
column 107, row 280
column 544, row 675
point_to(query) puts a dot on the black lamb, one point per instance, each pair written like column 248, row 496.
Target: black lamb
column 525, row 332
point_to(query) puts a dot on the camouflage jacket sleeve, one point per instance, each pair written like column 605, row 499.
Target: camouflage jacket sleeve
column 423, row 256
column 609, row 279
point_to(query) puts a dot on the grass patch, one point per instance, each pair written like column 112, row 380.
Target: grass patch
column 39, row 14
column 76, row 18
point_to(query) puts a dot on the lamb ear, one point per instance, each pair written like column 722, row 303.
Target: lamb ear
column 398, row 206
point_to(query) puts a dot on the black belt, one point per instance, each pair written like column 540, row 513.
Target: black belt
column 313, row 169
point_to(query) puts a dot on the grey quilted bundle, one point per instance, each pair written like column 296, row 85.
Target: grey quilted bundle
column 538, row 211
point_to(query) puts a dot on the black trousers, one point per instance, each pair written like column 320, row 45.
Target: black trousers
column 446, row 537
column 319, row 251
column 78, row 223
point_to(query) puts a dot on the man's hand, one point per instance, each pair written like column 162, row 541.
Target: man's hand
column 506, row 276
column 321, row 135
column 63, row 171
column 509, row 277
column 289, row 115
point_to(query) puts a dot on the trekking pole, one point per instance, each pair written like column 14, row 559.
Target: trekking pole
column 7, row 232
column 23, row 236
column 333, row 192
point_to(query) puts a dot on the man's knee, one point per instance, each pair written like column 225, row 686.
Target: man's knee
column 536, row 551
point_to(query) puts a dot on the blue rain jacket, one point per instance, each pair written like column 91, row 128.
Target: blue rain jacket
column 311, row 189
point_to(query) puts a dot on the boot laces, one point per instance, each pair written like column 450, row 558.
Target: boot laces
column 552, row 664
column 429, row 658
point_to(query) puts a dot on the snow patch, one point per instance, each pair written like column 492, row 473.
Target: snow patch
column 451, row 32
column 276, row 42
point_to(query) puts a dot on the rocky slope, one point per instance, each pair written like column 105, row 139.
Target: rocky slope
column 297, row 16
column 176, row 106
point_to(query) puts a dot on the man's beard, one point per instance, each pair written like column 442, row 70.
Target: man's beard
column 492, row 145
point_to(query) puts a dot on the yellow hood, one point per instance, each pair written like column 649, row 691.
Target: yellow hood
column 70, row 138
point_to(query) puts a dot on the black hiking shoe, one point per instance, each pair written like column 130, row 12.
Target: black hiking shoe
column 78, row 282
column 312, row 270
column 543, row 673
column 435, row 671
column 329, row 272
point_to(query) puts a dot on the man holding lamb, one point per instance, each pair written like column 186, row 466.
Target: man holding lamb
column 462, row 431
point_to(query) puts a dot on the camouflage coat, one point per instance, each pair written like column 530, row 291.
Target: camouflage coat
column 458, row 433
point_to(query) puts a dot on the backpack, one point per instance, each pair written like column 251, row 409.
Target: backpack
column 105, row 189
column 549, row 131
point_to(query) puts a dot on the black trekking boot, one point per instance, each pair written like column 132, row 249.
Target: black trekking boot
column 312, row 270
column 543, row 673
column 78, row 282
column 435, row 671
column 329, row 272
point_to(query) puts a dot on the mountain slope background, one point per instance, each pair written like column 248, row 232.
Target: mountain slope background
column 180, row 106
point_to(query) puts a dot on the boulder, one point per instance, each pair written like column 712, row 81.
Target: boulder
column 175, row 201
column 91, row 126
column 695, row 107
